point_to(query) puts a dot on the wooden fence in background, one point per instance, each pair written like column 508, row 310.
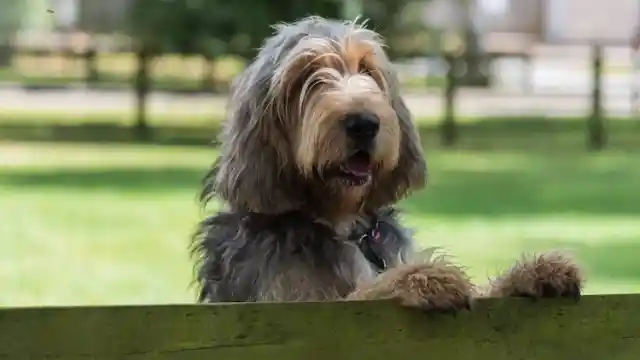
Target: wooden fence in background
column 596, row 131
column 597, row 328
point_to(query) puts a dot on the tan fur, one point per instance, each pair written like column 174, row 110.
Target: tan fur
column 283, row 128
column 436, row 285
column 286, row 114
column 440, row 285
column 551, row 274
column 333, row 87
column 322, row 81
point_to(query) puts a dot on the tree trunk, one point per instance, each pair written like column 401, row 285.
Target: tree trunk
column 6, row 51
column 448, row 128
column 11, row 17
column 475, row 60
column 596, row 137
column 142, row 88
column 91, row 65
column 208, row 82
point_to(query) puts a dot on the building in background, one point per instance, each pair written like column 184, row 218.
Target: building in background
column 547, row 21
column 65, row 13
column 55, row 24
column 569, row 21
column 99, row 15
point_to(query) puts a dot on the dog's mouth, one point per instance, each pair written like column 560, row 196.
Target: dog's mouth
column 355, row 171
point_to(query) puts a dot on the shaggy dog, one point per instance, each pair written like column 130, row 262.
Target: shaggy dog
column 318, row 145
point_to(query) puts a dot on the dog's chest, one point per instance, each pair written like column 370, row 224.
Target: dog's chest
column 356, row 267
column 296, row 260
column 361, row 256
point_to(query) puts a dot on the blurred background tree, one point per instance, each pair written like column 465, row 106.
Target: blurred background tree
column 474, row 56
column 11, row 17
column 208, row 42
column 402, row 24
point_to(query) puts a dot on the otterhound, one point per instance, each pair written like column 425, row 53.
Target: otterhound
column 318, row 145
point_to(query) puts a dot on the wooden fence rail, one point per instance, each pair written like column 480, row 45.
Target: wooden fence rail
column 598, row 328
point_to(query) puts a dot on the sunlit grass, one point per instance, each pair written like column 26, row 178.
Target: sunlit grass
column 105, row 224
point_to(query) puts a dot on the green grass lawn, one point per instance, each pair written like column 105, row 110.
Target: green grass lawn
column 110, row 223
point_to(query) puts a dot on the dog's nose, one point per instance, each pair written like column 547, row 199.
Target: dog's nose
column 362, row 125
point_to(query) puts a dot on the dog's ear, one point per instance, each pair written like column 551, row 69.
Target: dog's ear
column 412, row 166
column 411, row 171
column 253, row 170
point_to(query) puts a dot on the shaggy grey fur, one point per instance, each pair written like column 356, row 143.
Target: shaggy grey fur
column 272, row 243
column 288, row 257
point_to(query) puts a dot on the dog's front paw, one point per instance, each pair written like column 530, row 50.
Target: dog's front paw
column 549, row 275
column 436, row 286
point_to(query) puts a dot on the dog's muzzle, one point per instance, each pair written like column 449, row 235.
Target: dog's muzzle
column 361, row 128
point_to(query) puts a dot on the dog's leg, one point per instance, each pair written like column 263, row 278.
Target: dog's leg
column 434, row 286
column 548, row 275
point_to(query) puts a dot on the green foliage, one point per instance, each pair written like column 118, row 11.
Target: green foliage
column 216, row 27
column 221, row 27
column 11, row 16
column 401, row 23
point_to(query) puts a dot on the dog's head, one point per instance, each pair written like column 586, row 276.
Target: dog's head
column 318, row 115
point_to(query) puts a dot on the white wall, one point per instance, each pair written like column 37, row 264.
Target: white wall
column 583, row 20
column 516, row 16
column 554, row 14
column 65, row 12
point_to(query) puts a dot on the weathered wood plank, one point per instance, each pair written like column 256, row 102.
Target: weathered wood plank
column 598, row 328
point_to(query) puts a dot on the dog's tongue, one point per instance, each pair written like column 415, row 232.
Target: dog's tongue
column 359, row 167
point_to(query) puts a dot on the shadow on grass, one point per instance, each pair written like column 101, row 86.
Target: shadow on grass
column 110, row 81
column 107, row 133
column 541, row 191
column 538, row 190
column 541, row 134
column 517, row 134
column 116, row 180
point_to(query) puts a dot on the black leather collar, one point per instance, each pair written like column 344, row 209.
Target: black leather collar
column 370, row 243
